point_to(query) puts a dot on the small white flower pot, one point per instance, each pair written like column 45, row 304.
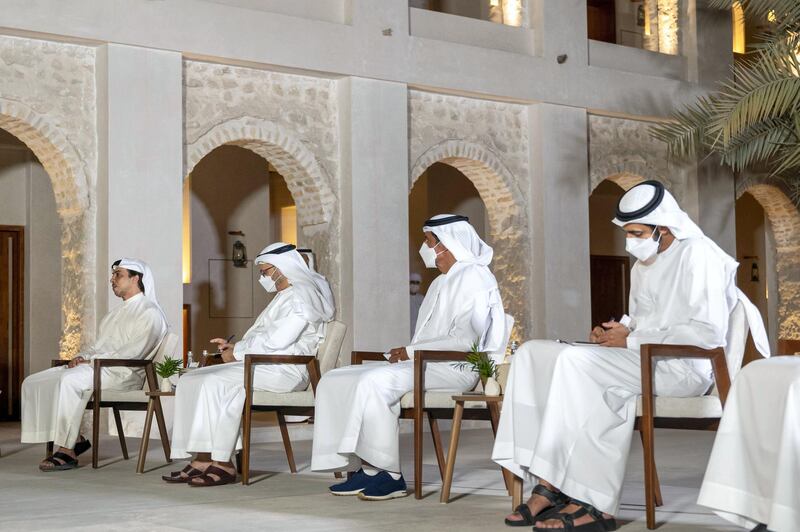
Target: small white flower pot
column 492, row 388
column 166, row 385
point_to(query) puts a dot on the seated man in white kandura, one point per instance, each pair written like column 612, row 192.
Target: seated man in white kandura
column 53, row 400
column 753, row 475
column 357, row 407
column 569, row 411
column 209, row 401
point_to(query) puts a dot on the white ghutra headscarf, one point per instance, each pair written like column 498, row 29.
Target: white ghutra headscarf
column 311, row 288
column 142, row 268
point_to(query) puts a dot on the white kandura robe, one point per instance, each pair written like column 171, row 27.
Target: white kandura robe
column 358, row 407
column 209, row 401
column 569, row 411
column 753, row 474
column 53, row 400
column 416, row 304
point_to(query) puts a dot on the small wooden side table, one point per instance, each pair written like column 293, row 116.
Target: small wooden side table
column 493, row 405
column 154, row 401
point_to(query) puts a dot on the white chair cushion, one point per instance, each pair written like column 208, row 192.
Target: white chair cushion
column 128, row 396
column 438, row 400
column 304, row 398
column 705, row 406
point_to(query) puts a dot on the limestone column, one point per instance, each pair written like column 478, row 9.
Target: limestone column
column 374, row 202
column 140, row 129
column 559, row 221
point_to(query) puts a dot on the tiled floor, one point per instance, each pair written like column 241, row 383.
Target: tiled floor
column 116, row 498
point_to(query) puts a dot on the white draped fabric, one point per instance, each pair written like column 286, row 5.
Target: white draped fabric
column 53, row 400
column 209, row 401
column 568, row 412
column 357, row 407
column 753, row 474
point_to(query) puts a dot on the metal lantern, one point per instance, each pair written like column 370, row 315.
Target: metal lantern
column 239, row 254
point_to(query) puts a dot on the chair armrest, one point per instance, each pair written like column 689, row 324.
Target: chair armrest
column 649, row 352
column 441, row 356
column 250, row 361
column 58, row 362
column 421, row 358
column 357, row 357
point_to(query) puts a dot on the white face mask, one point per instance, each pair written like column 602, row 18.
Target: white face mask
column 643, row 249
column 414, row 288
column 429, row 255
column 269, row 284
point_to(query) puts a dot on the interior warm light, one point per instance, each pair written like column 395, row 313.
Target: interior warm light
column 771, row 16
column 187, row 231
column 668, row 15
column 737, row 18
column 647, row 29
column 512, row 13
column 289, row 224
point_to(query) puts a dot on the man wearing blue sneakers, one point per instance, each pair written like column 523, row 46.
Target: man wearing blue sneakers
column 356, row 426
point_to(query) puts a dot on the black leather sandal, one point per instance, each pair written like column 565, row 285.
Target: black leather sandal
column 60, row 461
column 82, row 446
column 176, row 478
column 600, row 523
column 206, row 480
column 557, row 501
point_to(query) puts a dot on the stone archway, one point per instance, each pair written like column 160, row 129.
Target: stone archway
column 306, row 179
column 784, row 221
column 76, row 212
column 508, row 223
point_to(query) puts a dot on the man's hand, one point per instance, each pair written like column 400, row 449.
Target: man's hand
column 222, row 344
column 398, row 354
column 596, row 333
column 615, row 335
column 227, row 354
column 75, row 361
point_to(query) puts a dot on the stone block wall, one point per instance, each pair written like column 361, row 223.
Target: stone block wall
column 48, row 101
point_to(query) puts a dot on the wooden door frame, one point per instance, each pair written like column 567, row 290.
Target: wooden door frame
column 18, row 310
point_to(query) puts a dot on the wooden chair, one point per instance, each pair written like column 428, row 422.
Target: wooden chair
column 693, row 413
column 436, row 405
column 292, row 403
column 130, row 400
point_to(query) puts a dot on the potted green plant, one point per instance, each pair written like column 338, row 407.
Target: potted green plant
column 482, row 364
column 166, row 369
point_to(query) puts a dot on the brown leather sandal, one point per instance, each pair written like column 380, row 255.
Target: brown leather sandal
column 206, row 480
column 176, row 478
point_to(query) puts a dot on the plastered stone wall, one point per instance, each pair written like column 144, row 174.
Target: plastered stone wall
column 488, row 142
column 48, row 101
column 623, row 150
column 289, row 120
column 784, row 221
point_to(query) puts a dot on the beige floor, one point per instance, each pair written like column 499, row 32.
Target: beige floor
column 115, row 498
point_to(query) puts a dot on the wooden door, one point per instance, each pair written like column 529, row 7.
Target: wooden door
column 12, row 246
column 600, row 20
column 611, row 281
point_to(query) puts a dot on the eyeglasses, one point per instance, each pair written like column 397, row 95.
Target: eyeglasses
column 266, row 271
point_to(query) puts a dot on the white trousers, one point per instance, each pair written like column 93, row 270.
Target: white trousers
column 569, row 411
column 358, row 409
column 209, row 402
column 53, row 402
column 753, row 474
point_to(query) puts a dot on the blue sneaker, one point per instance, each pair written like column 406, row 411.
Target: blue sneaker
column 383, row 487
column 353, row 485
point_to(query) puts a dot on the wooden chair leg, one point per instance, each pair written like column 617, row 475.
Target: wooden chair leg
column 516, row 491
column 148, row 421
column 455, row 432
column 437, row 444
column 238, row 456
column 95, row 434
column 418, row 447
column 162, row 428
column 120, row 432
column 659, row 500
column 246, row 428
column 649, row 473
column 287, row 443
